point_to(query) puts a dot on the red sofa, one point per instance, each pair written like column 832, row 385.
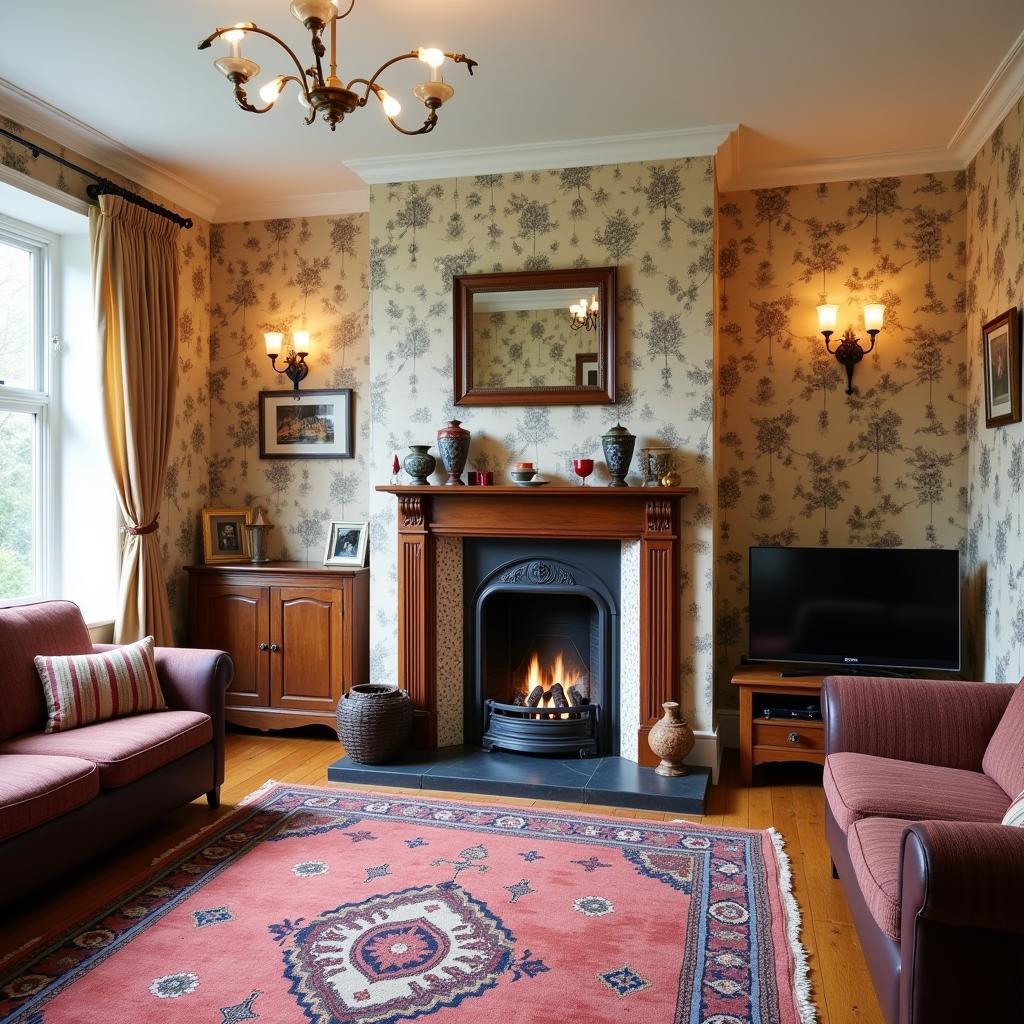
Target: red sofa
column 67, row 796
column 918, row 776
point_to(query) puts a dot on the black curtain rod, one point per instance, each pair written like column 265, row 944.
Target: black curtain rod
column 100, row 186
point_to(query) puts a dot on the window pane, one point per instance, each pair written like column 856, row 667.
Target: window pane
column 17, row 346
column 18, row 514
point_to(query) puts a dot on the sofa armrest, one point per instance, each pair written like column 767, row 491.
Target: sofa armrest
column 943, row 722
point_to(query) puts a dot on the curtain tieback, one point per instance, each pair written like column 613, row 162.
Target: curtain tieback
column 139, row 531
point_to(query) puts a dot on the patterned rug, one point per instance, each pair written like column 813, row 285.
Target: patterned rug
column 323, row 906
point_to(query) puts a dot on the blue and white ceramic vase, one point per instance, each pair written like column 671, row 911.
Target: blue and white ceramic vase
column 618, row 446
column 419, row 464
column 453, row 447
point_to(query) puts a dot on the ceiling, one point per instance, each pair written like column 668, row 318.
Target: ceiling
column 814, row 85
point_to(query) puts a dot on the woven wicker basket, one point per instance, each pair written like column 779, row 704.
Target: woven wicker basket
column 374, row 722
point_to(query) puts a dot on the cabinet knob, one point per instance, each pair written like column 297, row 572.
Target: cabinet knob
column 264, row 647
column 274, row 648
column 793, row 737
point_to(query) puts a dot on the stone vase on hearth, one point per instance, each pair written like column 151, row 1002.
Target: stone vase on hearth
column 671, row 739
column 453, row 447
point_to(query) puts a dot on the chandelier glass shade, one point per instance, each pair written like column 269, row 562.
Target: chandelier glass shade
column 584, row 315
column 326, row 94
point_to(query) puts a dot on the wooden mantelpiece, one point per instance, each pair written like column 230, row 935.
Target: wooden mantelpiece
column 649, row 515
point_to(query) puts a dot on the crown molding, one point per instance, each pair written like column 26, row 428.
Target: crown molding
column 1001, row 91
column 317, row 204
column 39, row 116
column 609, row 149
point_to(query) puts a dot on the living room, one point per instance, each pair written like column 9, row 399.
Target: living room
column 637, row 469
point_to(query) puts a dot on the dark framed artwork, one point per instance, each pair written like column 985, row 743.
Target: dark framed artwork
column 1000, row 342
column 314, row 424
column 588, row 370
column 225, row 538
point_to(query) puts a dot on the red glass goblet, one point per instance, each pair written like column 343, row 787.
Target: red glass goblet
column 583, row 468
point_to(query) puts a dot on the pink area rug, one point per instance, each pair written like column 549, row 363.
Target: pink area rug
column 323, row 906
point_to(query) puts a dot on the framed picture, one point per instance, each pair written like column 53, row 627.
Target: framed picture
column 306, row 424
column 347, row 544
column 588, row 370
column 1000, row 341
column 225, row 538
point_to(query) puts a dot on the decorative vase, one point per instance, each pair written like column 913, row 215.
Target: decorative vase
column 650, row 480
column 419, row 464
column 671, row 739
column 258, row 530
column 618, row 446
column 453, row 447
column 660, row 463
column 374, row 722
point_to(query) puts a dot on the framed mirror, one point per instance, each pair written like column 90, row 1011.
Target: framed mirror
column 542, row 337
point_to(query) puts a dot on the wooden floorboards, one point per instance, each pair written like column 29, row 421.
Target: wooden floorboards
column 788, row 797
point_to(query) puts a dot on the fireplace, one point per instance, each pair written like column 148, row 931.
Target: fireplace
column 542, row 629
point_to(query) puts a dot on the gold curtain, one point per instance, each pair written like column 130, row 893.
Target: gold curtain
column 135, row 290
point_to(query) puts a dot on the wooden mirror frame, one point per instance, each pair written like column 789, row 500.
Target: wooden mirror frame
column 468, row 285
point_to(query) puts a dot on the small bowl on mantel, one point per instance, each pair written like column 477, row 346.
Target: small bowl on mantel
column 522, row 476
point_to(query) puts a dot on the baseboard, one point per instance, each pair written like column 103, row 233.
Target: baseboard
column 729, row 727
column 707, row 751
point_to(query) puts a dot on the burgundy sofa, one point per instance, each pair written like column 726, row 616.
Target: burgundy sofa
column 67, row 796
column 918, row 776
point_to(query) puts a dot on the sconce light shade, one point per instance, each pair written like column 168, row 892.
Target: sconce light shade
column 827, row 317
column 874, row 316
column 300, row 341
column 274, row 340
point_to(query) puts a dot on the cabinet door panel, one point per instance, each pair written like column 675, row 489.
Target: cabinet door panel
column 306, row 625
column 235, row 618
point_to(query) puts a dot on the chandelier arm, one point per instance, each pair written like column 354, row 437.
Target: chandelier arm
column 339, row 16
column 205, row 44
column 371, row 83
column 427, row 126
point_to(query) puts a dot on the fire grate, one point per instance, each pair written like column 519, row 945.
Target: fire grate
column 532, row 730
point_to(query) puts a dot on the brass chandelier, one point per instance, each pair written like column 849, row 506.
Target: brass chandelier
column 328, row 95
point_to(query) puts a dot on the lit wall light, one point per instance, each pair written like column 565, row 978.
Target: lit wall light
column 849, row 352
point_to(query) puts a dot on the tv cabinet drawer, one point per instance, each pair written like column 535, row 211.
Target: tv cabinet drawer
column 795, row 735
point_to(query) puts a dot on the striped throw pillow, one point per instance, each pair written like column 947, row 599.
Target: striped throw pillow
column 85, row 688
column 1015, row 814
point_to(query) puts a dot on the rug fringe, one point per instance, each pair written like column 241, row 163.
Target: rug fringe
column 257, row 793
column 185, row 842
column 801, row 967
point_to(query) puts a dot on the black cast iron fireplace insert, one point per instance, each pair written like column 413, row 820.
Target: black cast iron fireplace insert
column 543, row 647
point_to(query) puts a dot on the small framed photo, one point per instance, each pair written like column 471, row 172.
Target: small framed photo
column 347, row 544
column 306, row 424
column 225, row 538
column 1001, row 348
column 588, row 370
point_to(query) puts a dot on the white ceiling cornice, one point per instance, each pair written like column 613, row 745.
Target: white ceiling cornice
column 39, row 116
column 318, row 204
column 1000, row 93
column 610, row 149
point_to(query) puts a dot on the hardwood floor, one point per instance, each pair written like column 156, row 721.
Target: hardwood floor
column 789, row 797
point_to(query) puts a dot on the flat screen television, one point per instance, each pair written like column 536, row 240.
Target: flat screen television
column 859, row 607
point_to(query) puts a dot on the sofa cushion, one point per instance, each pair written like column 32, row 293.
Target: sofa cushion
column 35, row 789
column 876, row 848
column 863, row 786
column 1004, row 757
column 124, row 749
column 49, row 627
column 84, row 688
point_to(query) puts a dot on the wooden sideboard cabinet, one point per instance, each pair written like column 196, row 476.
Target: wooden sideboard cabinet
column 298, row 634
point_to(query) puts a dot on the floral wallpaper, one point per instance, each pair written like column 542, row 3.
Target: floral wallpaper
column 185, row 490
column 799, row 462
column 285, row 275
column 655, row 222
column 995, row 283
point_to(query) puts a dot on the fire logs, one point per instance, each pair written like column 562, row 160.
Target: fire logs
column 519, row 700
column 579, row 693
column 535, row 696
column 558, row 697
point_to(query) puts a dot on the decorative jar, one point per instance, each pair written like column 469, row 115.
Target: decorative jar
column 671, row 739
column 419, row 464
column 453, row 447
column 618, row 444
column 374, row 722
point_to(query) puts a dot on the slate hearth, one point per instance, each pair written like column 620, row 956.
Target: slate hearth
column 614, row 781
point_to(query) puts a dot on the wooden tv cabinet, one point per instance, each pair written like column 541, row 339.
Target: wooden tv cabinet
column 764, row 740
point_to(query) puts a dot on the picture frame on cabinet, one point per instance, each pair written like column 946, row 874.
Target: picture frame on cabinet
column 347, row 544
column 225, row 538
column 1000, row 343
column 314, row 424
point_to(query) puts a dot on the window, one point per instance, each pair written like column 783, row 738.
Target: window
column 27, row 388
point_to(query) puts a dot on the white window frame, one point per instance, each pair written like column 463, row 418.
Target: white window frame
column 43, row 401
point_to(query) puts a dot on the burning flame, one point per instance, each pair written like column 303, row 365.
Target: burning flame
column 556, row 675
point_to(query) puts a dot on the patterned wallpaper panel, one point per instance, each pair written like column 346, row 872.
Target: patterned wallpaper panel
column 654, row 221
column 186, row 486
column 799, row 462
column 995, row 282
column 285, row 275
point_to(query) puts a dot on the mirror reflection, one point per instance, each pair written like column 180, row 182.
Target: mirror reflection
column 538, row 338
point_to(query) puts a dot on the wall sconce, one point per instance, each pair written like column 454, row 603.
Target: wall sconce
column 584, row 314
column 849, row 353
column 295, row 368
